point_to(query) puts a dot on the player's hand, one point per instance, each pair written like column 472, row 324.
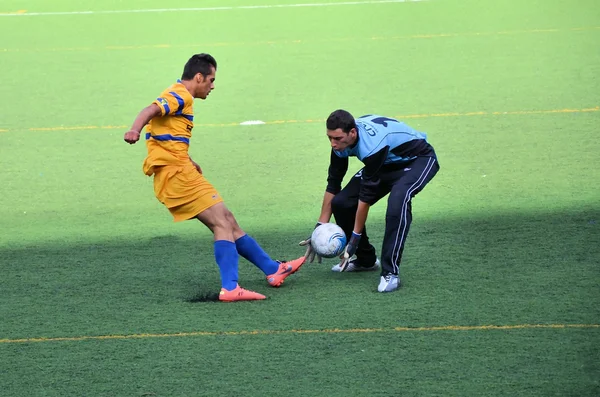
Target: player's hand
column 132, row 137
column 350, row 250
column 310, row 254
column 197, row 166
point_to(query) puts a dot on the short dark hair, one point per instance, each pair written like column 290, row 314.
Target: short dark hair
column 199, row 63
column 341, row 119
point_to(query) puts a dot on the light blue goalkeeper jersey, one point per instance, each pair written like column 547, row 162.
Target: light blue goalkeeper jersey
column 378, row 132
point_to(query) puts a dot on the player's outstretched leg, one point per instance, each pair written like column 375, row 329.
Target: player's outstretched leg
column 239, row 294
column 285, row 269
column 225, row 229
column 253, row 252
column 275, row 271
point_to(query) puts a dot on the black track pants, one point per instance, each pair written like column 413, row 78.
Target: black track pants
column 402, row 183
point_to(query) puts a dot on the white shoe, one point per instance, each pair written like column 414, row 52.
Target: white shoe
column 388, row 283
column 353, row 267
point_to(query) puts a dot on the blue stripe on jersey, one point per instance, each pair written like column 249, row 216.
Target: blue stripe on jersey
column 187, row 116
column 163, row 102
column 168, row 137
column 179, row 100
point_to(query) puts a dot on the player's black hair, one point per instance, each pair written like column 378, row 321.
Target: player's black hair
column 199, row 63
column 341, row 119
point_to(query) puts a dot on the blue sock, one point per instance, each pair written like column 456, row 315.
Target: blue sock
column 227, row 258
column 249, row 249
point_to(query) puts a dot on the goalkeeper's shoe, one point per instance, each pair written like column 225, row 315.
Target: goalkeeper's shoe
column 355, row 266
column 285, row 269
column 239, row 294
column 388, row 283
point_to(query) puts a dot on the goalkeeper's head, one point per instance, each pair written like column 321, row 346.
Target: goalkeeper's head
column 341, row 130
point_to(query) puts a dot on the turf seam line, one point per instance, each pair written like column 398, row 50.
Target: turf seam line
column 195, row 9
column 409, row 116
column 304, row 331
column 299, row 41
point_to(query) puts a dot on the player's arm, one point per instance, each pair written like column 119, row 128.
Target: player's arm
column 361, row 216
column 326, row 211
column 147, row 114
column 338, row 166
column 369, row 184
column 337, row 169
column 368, row 188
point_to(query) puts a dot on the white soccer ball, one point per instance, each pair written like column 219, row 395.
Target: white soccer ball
column 328, row 240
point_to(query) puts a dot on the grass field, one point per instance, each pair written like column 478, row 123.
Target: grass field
column 501, row 275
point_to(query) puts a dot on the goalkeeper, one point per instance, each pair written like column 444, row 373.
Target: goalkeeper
column 398, row 161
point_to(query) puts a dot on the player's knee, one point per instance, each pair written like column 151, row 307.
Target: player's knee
column 229, row 218
column 339, row 203
column 398, row 208
column 231, row 223
column 219, row 219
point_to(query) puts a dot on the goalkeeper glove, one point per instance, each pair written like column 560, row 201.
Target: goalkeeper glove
column 350, row 250
column 310, row 254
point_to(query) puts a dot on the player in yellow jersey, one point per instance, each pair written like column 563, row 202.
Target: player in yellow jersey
column 181, row 187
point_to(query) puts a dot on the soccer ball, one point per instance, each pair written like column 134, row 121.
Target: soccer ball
column 328, row 240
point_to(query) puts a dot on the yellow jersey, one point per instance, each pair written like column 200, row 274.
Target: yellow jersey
column 168, row 136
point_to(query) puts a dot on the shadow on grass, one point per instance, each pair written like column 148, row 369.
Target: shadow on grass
column 504, row 264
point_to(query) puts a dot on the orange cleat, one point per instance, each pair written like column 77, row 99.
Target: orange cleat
column 239, row 294
column 285, row 269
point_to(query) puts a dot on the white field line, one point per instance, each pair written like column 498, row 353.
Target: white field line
column 24, row 13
